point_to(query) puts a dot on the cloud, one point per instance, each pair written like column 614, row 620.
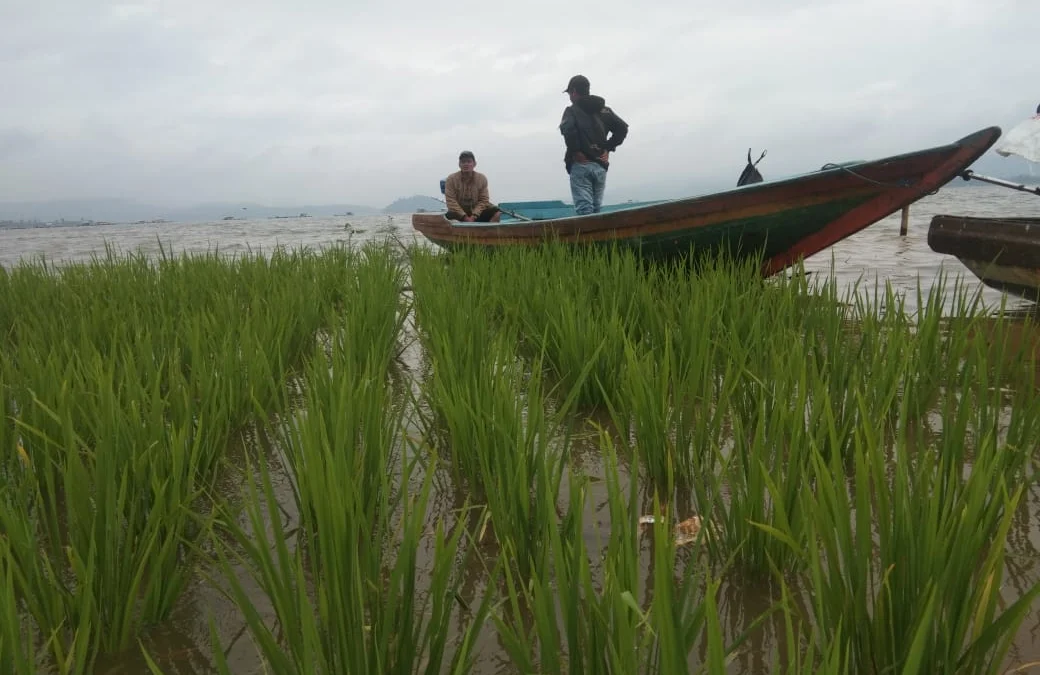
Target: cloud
column 14, row 142
column 326, row 101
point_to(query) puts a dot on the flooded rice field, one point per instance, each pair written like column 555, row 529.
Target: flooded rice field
column 351, row 456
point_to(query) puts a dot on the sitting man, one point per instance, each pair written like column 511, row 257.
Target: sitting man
column 466, row 194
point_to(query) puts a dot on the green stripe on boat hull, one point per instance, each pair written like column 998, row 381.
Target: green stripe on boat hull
column 745, row 237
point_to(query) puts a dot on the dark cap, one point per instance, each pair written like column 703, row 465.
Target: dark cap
column 466, row 154
column 578, row 83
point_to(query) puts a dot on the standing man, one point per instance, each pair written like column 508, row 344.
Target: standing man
column 466, row 194
column 585, row 125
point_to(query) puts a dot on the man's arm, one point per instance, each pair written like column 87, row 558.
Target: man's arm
column 483, row 197
column 451, row 187
column 572, row 136
column 569, row 129
column 618, row 129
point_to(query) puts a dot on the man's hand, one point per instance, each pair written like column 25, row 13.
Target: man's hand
column 469, row 219
column 604, row 157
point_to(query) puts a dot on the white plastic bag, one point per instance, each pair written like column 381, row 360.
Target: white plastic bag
column 1023, row 140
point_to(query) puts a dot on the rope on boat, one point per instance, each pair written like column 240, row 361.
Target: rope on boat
column 900, row 184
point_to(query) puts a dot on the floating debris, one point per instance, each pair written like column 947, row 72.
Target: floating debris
column 685, row 532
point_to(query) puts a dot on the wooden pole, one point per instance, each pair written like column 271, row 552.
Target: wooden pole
column 905, row 222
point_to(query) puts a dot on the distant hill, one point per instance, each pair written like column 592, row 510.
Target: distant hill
column 414, row 204
column 128, row 211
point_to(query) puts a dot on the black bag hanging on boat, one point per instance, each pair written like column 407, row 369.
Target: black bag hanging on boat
column 750, row 174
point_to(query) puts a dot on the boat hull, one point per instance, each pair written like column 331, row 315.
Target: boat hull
column 1004, row 253
column 782, row 221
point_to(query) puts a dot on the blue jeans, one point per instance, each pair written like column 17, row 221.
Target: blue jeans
column 587, row 183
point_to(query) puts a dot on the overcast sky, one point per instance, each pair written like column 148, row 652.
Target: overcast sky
column 184, row 101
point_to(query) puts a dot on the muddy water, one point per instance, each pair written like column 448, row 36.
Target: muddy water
column 182, row 645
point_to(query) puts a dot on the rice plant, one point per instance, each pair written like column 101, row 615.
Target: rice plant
column 348, row 598
column 126, row 380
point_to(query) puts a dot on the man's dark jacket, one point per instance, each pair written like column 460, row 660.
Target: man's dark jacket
column 585, row 126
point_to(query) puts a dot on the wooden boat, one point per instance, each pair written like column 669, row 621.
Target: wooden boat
column 782, row 220
column 1004, row 253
